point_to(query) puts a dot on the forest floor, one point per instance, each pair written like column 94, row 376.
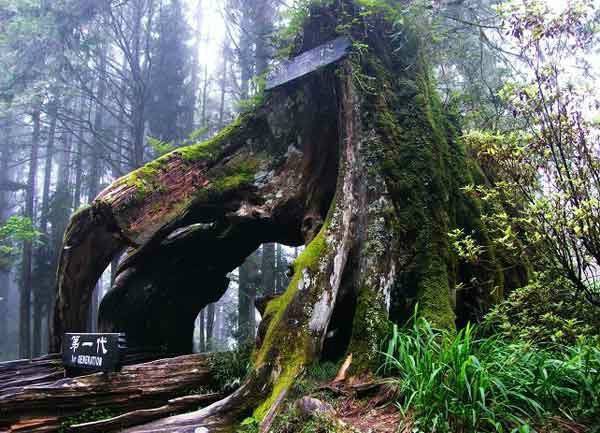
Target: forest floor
column 318, row 403
column 370, row 416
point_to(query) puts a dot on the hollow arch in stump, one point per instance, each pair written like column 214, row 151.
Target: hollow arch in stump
column 359, row 161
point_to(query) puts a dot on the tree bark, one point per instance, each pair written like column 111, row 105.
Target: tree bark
column 4, row 270
column 223, row 90
column 96, row 168
column 79, row 161
column 245, row 52
column 62, row 202
column 138, row 108
column 190, row 120
column 205, row 85
column 202, row 332
column 210, row 324
column 268, row 269
column 27, row 261
column 263, row 29
column 42, row 295
column 48, row 169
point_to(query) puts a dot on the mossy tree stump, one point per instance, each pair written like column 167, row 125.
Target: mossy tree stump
column 358, row 161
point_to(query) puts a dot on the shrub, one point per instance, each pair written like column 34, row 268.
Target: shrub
column 322, row 371
column 547, row 311
column 230, row 368
column 457, row 382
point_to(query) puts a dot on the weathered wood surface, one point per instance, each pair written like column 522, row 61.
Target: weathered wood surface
column 42, row 406
column 173, row 406
column 30, row 372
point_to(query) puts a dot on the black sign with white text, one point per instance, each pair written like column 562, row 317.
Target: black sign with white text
column 98, row 352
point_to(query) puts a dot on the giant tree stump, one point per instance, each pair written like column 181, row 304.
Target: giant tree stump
column 359, row 161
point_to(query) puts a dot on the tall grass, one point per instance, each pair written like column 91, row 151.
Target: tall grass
column 460, row 383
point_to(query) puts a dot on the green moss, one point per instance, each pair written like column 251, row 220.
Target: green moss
column 425, row 167
column 146, row 178
column 292, row 349
column 434, row 299
column 416, row 174
column 370, row 327
column 81, row 210
column 294, row 422
column 210, row 149
column 232, row 176
column 292, row 369
column 308, row 259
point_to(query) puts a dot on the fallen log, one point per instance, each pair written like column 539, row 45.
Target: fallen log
column 30, row 372
column 173, row 406
column 44, row 406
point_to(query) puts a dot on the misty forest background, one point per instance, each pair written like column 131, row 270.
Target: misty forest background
column 92, row 89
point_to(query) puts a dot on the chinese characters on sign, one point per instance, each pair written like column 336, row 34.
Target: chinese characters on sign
column 308, row 62
column 99, row 352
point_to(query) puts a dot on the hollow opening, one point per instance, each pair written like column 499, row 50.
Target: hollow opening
column 158, row 295
column 235, row 317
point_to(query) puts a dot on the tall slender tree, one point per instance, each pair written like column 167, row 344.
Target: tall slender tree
column 27, row 261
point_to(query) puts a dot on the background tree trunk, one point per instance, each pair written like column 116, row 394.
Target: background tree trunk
column 210, row 324
column 4, row 270
column 243, row 303
column 202, row 332
column 27, row 261
column 268, row 269
column 41, row 290
column 96, row 166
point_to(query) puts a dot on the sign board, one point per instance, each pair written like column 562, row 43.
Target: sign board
column 308, row 62
column 98, row 352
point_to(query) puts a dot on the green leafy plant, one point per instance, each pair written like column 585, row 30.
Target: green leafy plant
column 249, row 425
column 230, row 368
column 458, row 382
column 545, row 312
column 322, row 371
column 160, row 147
column 14, row 230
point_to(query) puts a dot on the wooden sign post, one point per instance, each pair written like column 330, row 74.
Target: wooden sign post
column 308, row 62
column 93, row 352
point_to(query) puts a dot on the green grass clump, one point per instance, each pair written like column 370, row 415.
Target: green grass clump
column 456, row 382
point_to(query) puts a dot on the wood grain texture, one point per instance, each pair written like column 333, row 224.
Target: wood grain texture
column 30, row 403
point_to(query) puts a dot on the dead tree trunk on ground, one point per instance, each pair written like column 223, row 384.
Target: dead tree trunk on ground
column 34, row 396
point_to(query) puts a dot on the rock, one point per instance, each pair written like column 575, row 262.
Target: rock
column 310, row 406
